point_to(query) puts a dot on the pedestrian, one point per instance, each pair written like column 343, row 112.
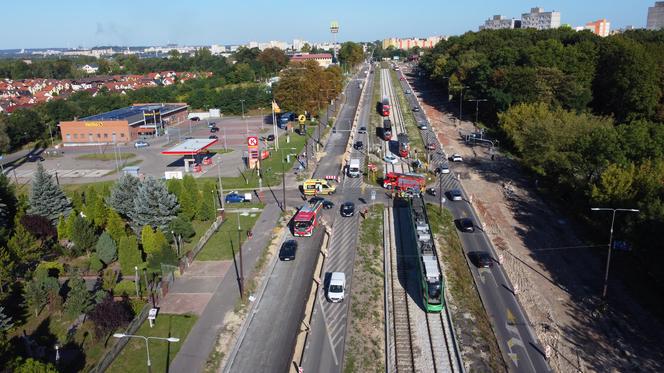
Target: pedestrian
column 493, row 156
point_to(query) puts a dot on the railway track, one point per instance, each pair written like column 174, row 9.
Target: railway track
column 423, row 342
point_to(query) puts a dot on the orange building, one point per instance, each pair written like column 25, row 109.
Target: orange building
column 123, row 125
column 600, row 27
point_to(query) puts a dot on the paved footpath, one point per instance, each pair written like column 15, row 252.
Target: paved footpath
column 203, row 336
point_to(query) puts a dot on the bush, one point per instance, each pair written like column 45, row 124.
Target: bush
column 125, row 287
column 80, row 265
column 96, row 264
column 53, row 269
column 106, row 249
column 109, row 315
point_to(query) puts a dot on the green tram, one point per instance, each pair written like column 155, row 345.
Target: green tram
column 431, row 280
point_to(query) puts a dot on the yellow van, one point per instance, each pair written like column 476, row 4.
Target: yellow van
column 312, row 187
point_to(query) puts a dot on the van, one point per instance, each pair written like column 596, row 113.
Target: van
column 354, row 168
column 312, row 187
column 337, row 287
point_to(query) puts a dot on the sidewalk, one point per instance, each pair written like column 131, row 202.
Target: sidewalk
column 202, row 338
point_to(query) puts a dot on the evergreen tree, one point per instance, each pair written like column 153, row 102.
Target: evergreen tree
column 46, row 198
column 31, row 366
column 52, row 291
column 106, row 249
column 77, row 201
column 153, row 205
column 83, row 235
column 6, row 267
column 63, row 233
column 35, row 295
column 115, row 226
column 8, row 204
column 5, row 321
column 69, row 225
column 89, row 209
column 123, row 193
column 24, row 246
column 188, row 197
column 206, row 204
column 147, row 240
column 101, row 212
column 181, row 227
column 79, row 299
column 129, row 255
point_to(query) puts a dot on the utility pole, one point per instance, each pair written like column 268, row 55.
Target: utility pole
column 221, row 188
column 461, row 104
column 608, row 257
column 239, row 240
column 477, row 107
column 283, row 185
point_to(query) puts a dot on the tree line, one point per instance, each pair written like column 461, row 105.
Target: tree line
column 584, row 114
column 307, row 87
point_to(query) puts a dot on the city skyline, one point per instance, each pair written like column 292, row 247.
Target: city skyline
column 205, row 22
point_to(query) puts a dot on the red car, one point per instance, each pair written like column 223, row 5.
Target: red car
column 431, row 146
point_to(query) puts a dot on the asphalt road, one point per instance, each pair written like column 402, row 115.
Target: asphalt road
column 521, row 350
column 324, row 350
column 266, row 348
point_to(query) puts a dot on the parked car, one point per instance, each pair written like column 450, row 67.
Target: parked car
column 456, row 158
column 431, row 146
column 408, row 91
column 337, row 287
column 214, row 129
column 358, row 145
column 362, row 130
column 455, row 195
column 347, row 209
column 288, row 250
column 34, row 158
column 422, row 126
column 195, row 119
column 466, row 225
column 416, row 109
column 213, row 137
column 431, row 191
column 235, row 197
column 389, row 158
column 141, row 144
column 442, row 170
column 481, row 259
column 270, row 137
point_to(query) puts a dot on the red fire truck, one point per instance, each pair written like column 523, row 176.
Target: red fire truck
column 307, row 219
column 410, row 182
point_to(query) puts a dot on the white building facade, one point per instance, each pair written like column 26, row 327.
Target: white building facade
column 539, row 19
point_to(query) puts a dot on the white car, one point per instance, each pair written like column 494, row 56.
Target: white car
column 337, row 287
column 389, row 158
column 422, row 126
column 444, row 170
column 141, row 144
column 456, row 158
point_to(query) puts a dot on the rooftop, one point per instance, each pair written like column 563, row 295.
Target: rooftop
column 190, row 147
column 134, row 114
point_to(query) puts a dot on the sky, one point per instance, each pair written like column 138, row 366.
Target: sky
column 88, row 23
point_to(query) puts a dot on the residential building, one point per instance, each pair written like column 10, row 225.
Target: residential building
column 323, row 59
column 498, row 22
column 600, row 27
column 539, row 19
column 298, row 44
column 409, row 43
column 90, row 68
column 656, row 16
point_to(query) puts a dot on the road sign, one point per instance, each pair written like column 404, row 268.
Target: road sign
column 302, row 118
column 252, row 141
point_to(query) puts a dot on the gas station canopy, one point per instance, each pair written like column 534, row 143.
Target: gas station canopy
column 190, row 147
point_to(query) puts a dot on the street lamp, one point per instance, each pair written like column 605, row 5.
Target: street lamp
column 243, row 118
column 477, row 107
column 147, row 346
column 461, row 103
column 608, row 258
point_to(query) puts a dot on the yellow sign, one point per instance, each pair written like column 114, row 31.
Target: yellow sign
column 94, row 124
column 302, row 118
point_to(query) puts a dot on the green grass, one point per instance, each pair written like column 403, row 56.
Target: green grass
column 106, row 156
column 271, row 167
column 460, row 283
column 80, row 188
column 133, row 357
column 414, row 135
column 219, row 245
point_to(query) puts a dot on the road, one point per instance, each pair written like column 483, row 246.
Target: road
column 324, row 350
column 521, row 350
column 265, row 347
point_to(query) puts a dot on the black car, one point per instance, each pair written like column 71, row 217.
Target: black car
column 270, row 137
column 195, row 119
column 481, row 259
column 288, row 250
column 213, row 137
column 466, row 225
column 362, row 130
column 347, row 209
column 214, row 129
column 416, row 109
column 358, row 145
column 35, row 158
column 431, row 191
column 326, row 203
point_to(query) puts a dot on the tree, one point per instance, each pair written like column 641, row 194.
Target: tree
column 24, row 246
column 5, row 321
column 51, row 288
column 123, row 193
column 79, row 299
column 206, row 204
column 35, row 295
column 115, row 226
column 4, row 138
column 147, row 240
column 8, row 205
column 63, row 233
column 7, row 265
column 23, row 126
column 165, row 255
column 40, row 227
column 273, row 59
column 109, row 316
column 46, row 198
column 31, row 366
column 83, row 235
column 351, row 54
column 181, row 227
column 188, row 197
column 69, row 225
column 154, row 205
column 129, row 255
column 106, row 249
column 306, row 48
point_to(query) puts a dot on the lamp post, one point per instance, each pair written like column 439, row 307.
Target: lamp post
column 461, row 102
column 608, row 257
column 239, row 245
column 243, row 118
column 147, row 346
column 477, row 107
